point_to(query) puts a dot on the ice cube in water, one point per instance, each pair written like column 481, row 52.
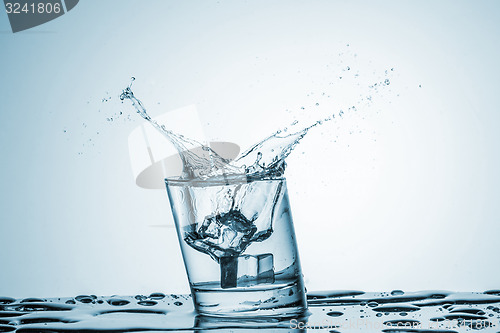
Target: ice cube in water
column 223, row 235
column 254, row 270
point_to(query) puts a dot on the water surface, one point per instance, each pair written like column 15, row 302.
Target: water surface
column 329, row 311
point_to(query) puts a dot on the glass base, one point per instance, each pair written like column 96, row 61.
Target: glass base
column 276, row 300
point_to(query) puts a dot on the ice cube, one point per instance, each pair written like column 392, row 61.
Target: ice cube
column 265, row 268
column 247, row 270
column 228, row 272
column 222, row 235
column 254, row 270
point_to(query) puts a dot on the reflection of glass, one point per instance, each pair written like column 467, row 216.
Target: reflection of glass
column 204, row 324
column 238, row 245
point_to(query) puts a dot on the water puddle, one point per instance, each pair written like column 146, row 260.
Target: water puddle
column 329, row 311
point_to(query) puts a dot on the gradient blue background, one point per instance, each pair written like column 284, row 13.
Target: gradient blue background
column 402, row 195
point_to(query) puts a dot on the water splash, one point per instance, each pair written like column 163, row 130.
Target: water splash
column 264, row 160
column 194, row 165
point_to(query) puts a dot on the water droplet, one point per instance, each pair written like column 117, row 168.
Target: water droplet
column 6, row 300
column 32, row 300
column 397, row 308
column 335, row 314
column 117, row 301
column 397, row 292
column 468, row 310
column 7, row 328
column 84, row 299
column 147, row 303
column 157, row 296
column 177, row 303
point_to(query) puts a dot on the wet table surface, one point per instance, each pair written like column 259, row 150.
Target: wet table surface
column 329, row 311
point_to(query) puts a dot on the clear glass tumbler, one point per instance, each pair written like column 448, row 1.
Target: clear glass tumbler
column 238, row 245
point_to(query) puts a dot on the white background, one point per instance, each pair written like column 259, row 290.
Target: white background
column 401, row 194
